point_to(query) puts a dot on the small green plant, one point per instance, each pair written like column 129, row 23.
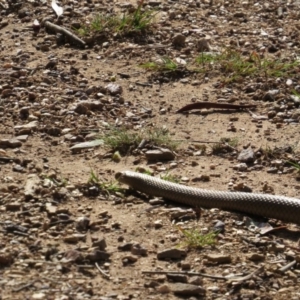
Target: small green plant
column 194, row 239
column 121, row 139
column 165, row 64
column 225, row 145
column 124, row 140
column 295, row 165
column 160, row 137
column 143, row 171
column 107, row 187
column 137, row 21
column 170, row 177
column 236, row 66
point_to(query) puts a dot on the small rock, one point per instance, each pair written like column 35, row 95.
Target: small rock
column 246, row 155
column 72, row 256
column 6, row 259
column 241, row 167
column 219, row 258
column 164, row 289
column 196, row 280
column 186, row 289
column 172, row 253
column 114, row 89
column 255, row 256
column 12, row 143
column 74, row 238
column 32, row 184
column 17, row 168
column 38, row 296
column 100, row 244
column 219, row 227
column 202, row 45
column 86, row 145
column 270, row 95
column 129, row 259
column 82, row 223
column 13, row 206
column 177, row 278
column 31, row 125
column 202, row 177
column 179, row 40
column 160, row 154
column 51, row 209
column 137, row 249
column 98, row 255
column 125, row 247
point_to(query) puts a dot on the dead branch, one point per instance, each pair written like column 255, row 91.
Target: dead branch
column 69, row 34
column 230, row 278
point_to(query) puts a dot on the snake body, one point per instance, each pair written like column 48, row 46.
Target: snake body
column 270, row 206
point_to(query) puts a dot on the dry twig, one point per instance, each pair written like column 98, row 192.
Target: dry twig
column 230, row 278
column 101, row 271
column 59, row 29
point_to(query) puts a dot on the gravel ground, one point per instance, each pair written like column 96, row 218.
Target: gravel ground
column 67, row 230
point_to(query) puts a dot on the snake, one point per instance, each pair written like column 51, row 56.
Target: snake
column 277, row 207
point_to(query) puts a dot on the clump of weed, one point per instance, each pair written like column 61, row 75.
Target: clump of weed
column 237, row 66
column 194, row 239
column 129, row 22
column 225, row 145
column 111, row 187
column 124, row 140
column 164, row 65
column 121, row 139
column 170, row 177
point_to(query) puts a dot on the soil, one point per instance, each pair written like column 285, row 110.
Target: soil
column 50, row 238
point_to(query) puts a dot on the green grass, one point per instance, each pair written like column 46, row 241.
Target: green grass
column 137, row 21
column 166, row 64
column 295, row 165
column 236, row 66
column 170, row 177
column 124, row 140
column 225, row 145
column 194, row 239
column 111, row 187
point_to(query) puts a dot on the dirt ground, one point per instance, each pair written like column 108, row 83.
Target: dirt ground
column 64, row 238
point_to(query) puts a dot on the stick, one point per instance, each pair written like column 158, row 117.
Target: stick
column 69, row 34
column 187, row 273
column 201, row 105
column 287, row 267
column 101, row 271
column 230, row 278
column 25, row 286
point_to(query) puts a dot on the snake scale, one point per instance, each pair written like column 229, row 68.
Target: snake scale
column 270, row 206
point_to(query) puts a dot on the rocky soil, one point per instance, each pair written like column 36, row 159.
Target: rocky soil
column 66, row 231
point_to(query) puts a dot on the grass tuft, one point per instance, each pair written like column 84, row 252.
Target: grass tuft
column 194, row 239
column 170, row 177
column 130, row 22
column 124, row 140
column 111, row 187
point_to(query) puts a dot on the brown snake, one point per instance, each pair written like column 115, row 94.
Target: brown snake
column 270, row 206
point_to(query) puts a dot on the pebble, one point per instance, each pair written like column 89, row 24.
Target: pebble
column 246, row 155
column 255, row 256
column 219, row 258
column 177, row 278
column 179, row 40
column 186, row 289
column 172, row 253
column 160, row 154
